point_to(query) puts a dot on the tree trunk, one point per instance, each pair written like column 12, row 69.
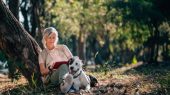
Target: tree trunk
column 35, row 17
column 74, row 46
column 14, row 8
column 82, row 46
column 19, row 46
column 24, row 11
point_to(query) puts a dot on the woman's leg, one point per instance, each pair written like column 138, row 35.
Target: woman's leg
column 57, row 76
column 63, row 69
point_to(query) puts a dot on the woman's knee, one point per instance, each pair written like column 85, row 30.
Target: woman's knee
column 64, row 66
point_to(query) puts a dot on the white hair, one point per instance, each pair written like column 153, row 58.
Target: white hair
column 47, row 33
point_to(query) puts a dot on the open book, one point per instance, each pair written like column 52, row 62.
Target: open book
column 57, row 64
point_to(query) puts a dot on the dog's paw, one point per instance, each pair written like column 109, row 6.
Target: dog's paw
column 65, row 87
column 69, row 79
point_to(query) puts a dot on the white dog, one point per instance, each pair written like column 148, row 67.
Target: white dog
column 76, row 79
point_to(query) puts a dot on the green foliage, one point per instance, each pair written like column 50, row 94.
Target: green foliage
column 79, row 16
column 165, row 81
column 106, row 67
column 134, row 60
column 108, row 27
column 33, row 81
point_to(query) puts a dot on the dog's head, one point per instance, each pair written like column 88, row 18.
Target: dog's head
column 75, row 65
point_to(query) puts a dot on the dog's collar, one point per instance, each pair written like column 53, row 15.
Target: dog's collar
column 77, row 75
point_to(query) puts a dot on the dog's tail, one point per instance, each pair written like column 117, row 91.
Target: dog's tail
column 93, row 81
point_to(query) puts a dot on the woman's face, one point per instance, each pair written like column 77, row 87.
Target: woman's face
column 50, row 40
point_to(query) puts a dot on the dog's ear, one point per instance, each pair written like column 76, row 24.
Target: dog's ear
column 70, row 60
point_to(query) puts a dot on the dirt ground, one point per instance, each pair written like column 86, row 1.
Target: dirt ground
column 6, row 84
column 128, row 80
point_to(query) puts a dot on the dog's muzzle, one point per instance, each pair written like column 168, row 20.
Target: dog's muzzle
column 72, row 71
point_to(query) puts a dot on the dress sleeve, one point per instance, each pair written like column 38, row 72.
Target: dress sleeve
column 41, row 58
column 67, row 52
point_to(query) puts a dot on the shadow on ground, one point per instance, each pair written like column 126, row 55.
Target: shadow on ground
column 134, row 79
column 158, row 74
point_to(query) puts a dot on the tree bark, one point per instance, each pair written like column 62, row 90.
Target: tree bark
column 19, row 46
column 14, row 8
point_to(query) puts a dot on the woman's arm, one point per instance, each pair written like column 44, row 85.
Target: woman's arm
column 43, row 70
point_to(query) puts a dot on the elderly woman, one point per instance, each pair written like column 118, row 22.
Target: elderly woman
column 52, row 55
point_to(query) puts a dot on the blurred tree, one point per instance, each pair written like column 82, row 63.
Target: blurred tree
column 25, row 11
column 33, row 17
column 144, row 13
column 113, row 28
column 98, row 26
column 14, row 7
column 78, row 18
column 164, row 29
column 36, row 6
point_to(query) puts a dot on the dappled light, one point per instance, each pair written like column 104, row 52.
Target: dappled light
column 124, row 44
column 126, row 79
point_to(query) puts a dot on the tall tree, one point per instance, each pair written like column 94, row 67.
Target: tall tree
column 19, row 46
column 35, row 14
column 25, row 12
column 14, row 7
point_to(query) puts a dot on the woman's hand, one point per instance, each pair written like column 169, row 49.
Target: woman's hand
column 43, row 70
column 50, row 70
